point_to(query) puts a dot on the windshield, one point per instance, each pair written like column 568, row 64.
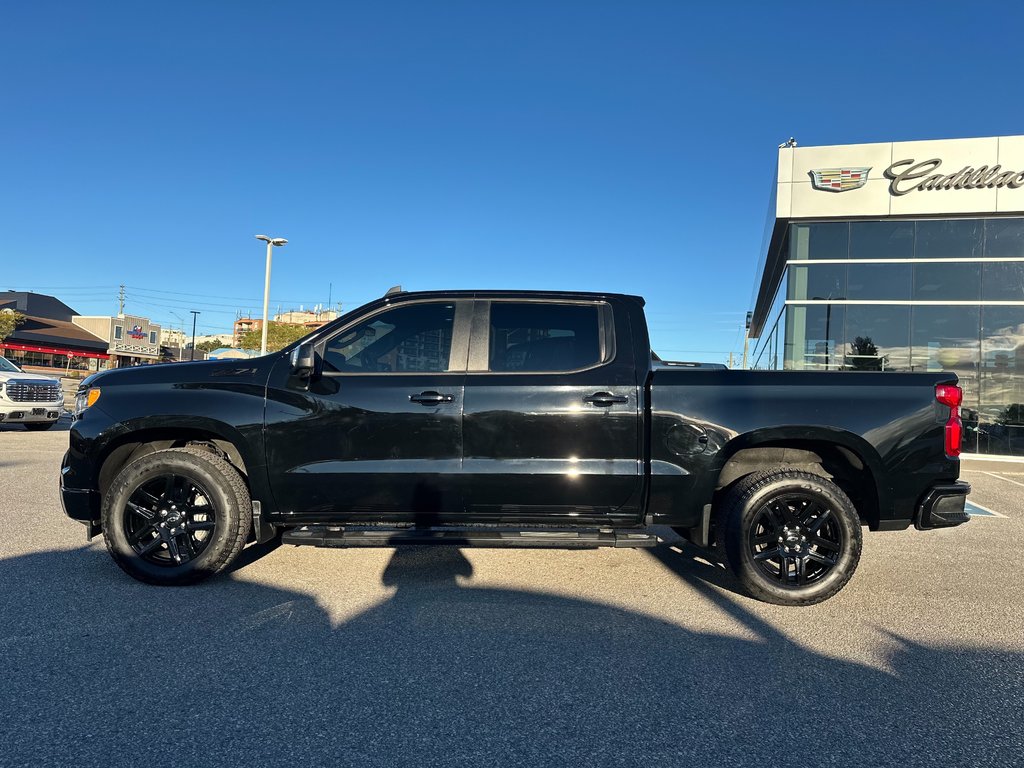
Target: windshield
column 7, row 365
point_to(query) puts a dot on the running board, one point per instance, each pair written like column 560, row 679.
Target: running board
column 375, row 536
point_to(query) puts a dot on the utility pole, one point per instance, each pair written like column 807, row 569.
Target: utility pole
column 120, row 301
column 730, row 361
column 195, row 314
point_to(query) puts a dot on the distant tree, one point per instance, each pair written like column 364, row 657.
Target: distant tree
column 9, row 320
column 209, row 346
column 865, row 355
column 279, row 336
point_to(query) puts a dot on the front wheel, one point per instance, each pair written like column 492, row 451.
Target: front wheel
column 176, row 516
column 791, row 538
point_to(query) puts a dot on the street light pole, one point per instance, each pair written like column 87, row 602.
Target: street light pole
column 195, row 314
column 271, row 242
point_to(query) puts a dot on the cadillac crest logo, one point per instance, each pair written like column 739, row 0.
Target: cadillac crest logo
column 839, row 179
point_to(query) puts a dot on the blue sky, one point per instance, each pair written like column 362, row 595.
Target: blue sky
column 625, row 146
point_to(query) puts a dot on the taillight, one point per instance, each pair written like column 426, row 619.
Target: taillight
column 951, row 395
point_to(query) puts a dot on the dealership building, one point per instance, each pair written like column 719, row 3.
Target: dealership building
column 903, row 256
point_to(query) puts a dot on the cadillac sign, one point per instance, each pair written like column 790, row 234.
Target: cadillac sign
column 906, row 176
column 839, row 179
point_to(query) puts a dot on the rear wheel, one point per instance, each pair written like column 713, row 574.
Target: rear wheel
column 176, row 516
column 791, row 538
column 38, row 426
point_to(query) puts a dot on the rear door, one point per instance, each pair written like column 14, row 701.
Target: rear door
column 551, row 419
column 379, row 433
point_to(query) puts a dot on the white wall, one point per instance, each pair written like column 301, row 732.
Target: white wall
column 798, row 199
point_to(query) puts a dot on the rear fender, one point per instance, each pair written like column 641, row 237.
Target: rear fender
column 808, row 440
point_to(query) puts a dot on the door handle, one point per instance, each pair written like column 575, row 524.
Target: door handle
column 604, row 399
column 431, row 398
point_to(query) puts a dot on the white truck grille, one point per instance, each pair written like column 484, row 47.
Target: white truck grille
column 33, row 391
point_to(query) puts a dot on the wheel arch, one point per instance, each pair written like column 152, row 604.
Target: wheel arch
column 131, row 444
column 845, row 458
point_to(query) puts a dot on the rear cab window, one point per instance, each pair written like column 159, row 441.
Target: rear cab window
column 558, row 337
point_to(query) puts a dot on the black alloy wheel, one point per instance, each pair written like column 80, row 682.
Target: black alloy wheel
column 169, row 520
column 176, row 516
column 790, row 537
column 795, row 539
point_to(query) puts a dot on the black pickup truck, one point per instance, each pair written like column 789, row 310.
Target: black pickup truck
column 508, row 418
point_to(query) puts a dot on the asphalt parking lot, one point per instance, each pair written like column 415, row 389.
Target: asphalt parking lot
column 441, row 656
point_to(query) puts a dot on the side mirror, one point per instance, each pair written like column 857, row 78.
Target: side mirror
column 303, row 360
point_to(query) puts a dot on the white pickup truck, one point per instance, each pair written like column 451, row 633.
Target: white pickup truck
column 28, row 398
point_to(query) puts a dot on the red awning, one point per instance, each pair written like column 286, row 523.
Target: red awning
column 53, row 350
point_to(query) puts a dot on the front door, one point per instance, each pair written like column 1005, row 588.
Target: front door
column 551, row 421
column 378, row 433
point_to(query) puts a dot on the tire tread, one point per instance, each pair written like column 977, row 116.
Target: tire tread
column 731, row 516
column 236, row 538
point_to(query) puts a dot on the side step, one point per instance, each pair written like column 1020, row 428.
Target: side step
column 555, row 538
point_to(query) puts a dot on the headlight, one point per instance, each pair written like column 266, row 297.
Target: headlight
column 85, row 399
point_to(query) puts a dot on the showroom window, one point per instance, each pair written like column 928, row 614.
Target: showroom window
column 956, row 239
column 938, row 281
column 881, row 240
column 879, row 282
column 827, row 240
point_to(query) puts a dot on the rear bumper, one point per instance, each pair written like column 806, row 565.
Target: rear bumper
column 943, row 507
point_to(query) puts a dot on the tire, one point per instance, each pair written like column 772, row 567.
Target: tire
column 176, row 516
column 38, row 426
column 820, row 534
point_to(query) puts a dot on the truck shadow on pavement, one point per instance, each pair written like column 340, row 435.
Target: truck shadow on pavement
column 100, row 670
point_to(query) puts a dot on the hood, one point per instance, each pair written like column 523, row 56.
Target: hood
column 9, row 375
column 257, row 368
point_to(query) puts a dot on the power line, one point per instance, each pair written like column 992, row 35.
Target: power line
column 248, row 299
column 176, row 306
column 185, row 303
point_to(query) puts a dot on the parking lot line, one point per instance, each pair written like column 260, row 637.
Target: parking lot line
column 976, row 510
column 993, row 474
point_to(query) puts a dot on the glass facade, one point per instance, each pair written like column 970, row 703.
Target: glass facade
column 910, row 295
column 52, row 360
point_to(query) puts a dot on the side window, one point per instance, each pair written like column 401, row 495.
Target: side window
column 544, row 337
column 412, row 339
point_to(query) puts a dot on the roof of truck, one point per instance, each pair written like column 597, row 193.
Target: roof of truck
column 512, row 293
